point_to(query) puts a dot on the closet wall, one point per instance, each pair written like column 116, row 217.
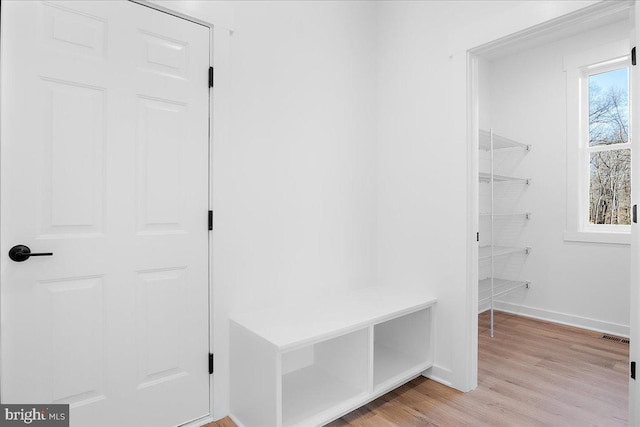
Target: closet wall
column 586, row 284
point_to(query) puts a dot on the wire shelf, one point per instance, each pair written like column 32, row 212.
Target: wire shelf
column 484, row 252
column 500, row 287
column 486, row 177
column 499, row 142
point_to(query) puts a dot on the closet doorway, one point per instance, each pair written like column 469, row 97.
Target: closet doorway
column 550, row 131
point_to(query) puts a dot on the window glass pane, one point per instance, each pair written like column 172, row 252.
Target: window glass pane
column 609, row 107
column 610, row 187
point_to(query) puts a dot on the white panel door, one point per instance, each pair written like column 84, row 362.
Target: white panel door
column 104, row 163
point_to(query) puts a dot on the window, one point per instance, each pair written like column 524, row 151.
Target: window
column 608, row 150
column 598, row 145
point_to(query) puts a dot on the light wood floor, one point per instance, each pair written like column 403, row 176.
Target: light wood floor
column 532, row 373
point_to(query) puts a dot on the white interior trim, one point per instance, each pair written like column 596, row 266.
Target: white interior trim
column 598, row 237
column 473, row 156
column 172, row 12
column 235, row 420
column 199, row 422
column 439, row 374
column 564, row 319
column 591, row 14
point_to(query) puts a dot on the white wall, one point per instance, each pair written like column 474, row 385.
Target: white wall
column 304, row 202
column 484, row 93
column 296, row 182
column 425, row 171
column 294, row 164
column 586, row 284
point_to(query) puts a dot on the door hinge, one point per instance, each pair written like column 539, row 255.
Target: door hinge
column 634, row 214
column 633, row 370
column 210, row 220
column 210, row 76
column 478, row 236
column 210, row 363
column 633, row 56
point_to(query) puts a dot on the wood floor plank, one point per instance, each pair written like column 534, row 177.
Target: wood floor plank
column 532, row 373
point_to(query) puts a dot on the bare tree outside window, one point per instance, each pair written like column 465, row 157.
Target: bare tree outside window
column 609, row 152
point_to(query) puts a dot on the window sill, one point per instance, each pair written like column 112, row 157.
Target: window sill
column 615, row 238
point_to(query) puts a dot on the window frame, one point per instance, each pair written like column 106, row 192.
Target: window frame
column 578, row 68
column 586, row 149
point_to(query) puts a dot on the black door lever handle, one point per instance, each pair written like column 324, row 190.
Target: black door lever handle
column 21, row 253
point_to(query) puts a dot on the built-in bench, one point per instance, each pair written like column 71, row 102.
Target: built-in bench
column 311, row 363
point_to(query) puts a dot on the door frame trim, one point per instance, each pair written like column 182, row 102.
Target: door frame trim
column 172, row 12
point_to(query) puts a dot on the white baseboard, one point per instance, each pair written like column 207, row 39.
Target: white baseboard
column 199, row 422
column 439, row 374
column 564, row 319
column 235, row 420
